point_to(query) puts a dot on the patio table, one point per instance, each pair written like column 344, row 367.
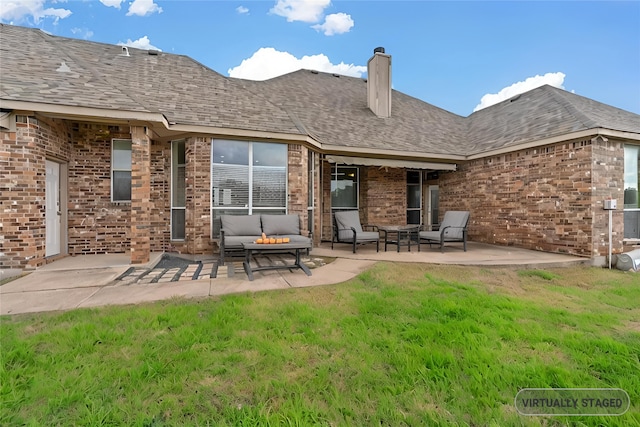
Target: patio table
column 276, row 248
column 400, row 235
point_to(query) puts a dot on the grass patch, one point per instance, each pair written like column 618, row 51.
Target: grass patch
column 401, row 344
column 543, row 274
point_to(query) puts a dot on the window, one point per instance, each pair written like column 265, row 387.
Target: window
column 121, row 170
column 433, row 207
column 631, row 187
column 414, row 197
column 247, row 178
column 311, row 173
column 178, row 190
column 344, row 187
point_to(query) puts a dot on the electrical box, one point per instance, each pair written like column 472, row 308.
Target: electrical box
column 610, row 204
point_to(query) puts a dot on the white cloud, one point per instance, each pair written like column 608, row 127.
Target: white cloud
column 552, row 79
column 242, row 10
column 336, row 23
column 301, row 10
column 267, row 63
column 141, row 43
column 143, row 8
column 112, row 3
column 85, row 33
column 24, row 10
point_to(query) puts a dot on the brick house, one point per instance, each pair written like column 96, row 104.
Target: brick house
column 108, row 149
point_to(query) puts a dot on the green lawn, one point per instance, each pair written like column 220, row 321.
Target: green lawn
column 401, row 344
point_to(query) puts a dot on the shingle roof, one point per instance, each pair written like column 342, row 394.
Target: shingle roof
column 333, row 109
column 329, row 108
column 542, row 113
column 100, row 76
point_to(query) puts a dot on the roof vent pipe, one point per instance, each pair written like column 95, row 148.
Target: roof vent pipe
column 125, row 51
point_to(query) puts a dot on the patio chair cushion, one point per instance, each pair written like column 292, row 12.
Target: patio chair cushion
column 241, row 225
column 280, row 225
column 235, row 242
column 430, row 235
column 453, row 226
column 297, row 238
column 345, row 220
column 457, row 221
column 365, row 236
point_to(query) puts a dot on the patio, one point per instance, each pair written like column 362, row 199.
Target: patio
column 97, row 280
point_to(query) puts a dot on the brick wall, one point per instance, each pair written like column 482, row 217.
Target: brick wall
column 607, row 183
column 298, row 184
column 198, row 196
column 96, row 224
column 22, row 187
column 140, row 195
column 539, row 198
column 383, row 196
column 160, row 210
column 547, row 198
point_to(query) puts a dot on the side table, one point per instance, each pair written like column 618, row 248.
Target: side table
column 400, row 235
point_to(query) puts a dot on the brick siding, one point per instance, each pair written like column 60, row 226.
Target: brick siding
column 383, row 195
column 23, row 156
column 96, row 224
column 298, row 184
column 198, row 196
column 546, row 198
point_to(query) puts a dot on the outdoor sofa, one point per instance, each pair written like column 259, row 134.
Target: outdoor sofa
column 238, row 229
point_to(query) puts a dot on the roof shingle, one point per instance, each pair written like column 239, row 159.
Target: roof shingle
column 329, row 108
column 100, row 76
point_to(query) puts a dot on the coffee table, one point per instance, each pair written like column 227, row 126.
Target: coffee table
column 284, row 248
column 400, row 235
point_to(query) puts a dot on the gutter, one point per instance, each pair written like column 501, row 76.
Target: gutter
column 143, row 117
column 589, row 133
column 65, row 111
column 129, row 117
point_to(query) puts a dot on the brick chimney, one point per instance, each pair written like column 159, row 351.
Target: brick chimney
column 379, row 83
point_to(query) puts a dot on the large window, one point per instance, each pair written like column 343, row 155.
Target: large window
column 344, row 187
column 178, row 190
column 631, row 187
column 121, row 170
column 247, row 178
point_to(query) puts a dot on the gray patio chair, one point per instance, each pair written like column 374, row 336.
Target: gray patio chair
column 348, row 229
column 452, row 229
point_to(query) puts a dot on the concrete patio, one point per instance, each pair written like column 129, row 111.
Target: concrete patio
column 99, row 280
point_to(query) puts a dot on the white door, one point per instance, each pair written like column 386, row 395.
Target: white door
column 53, row 215
column 432, row 202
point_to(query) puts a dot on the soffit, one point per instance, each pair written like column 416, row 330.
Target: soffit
column 392, row 163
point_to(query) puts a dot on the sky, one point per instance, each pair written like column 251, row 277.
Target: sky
column 457, row 55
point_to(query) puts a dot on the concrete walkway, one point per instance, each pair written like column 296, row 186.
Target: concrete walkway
column 95, row 280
